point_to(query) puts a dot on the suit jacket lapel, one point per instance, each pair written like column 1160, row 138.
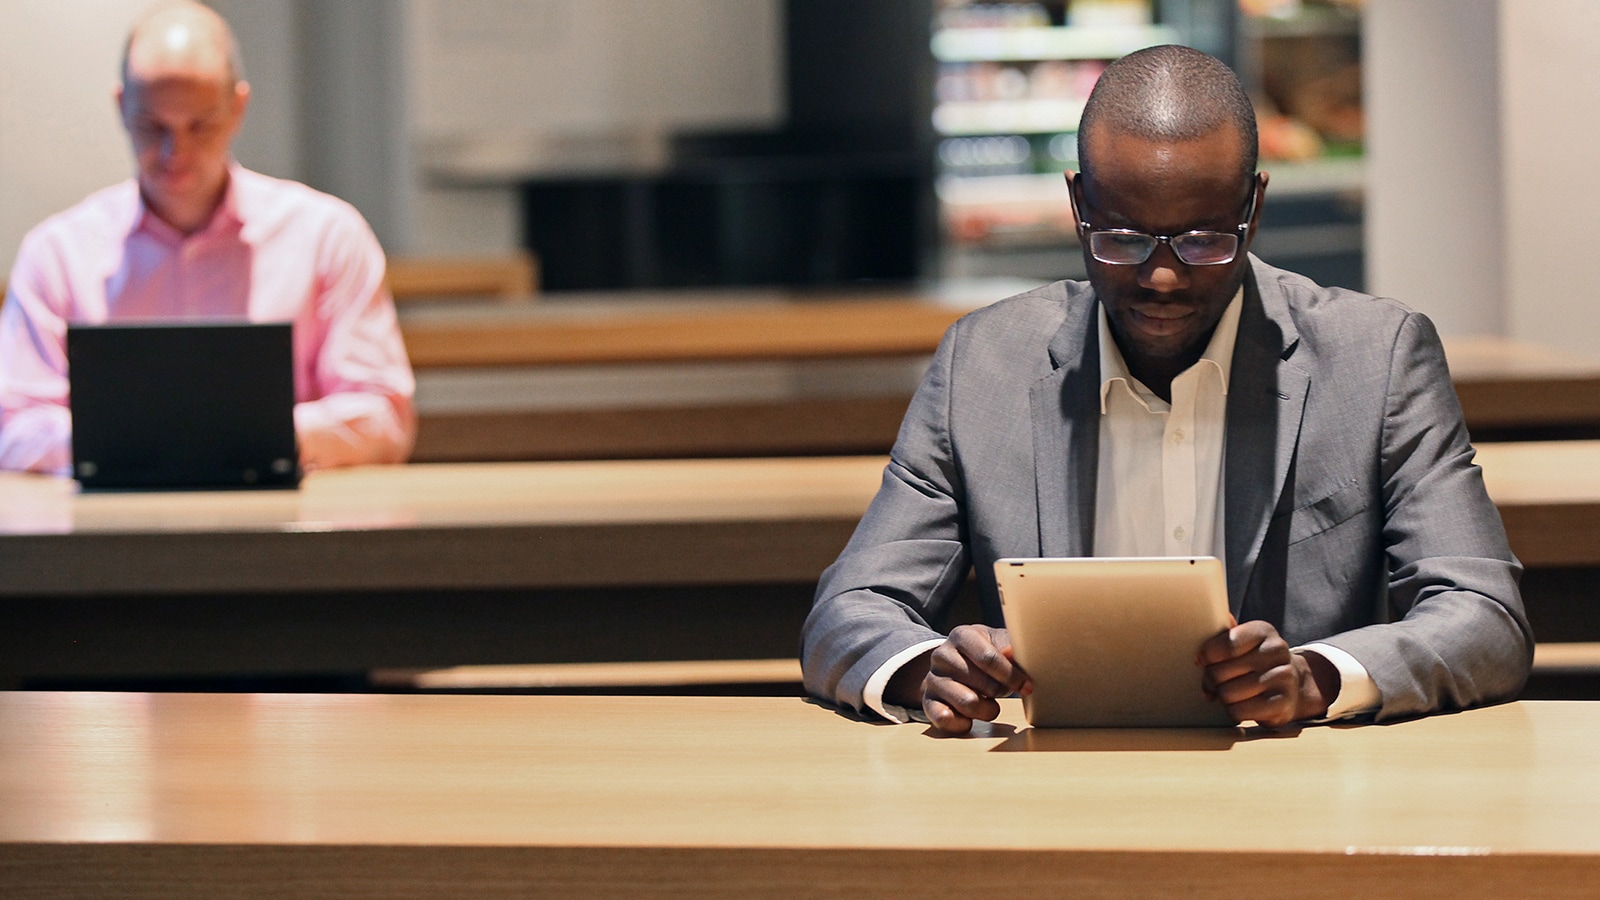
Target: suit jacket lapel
column 1066, row 432
column 1266, row 398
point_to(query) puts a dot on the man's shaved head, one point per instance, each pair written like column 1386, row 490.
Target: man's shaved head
column 182, row 38
column 1168, row 93
column 182, row 101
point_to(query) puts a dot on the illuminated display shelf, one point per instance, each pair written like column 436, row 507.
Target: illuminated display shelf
column 1033, row 208
column 1043, row 116
column 1042, row 43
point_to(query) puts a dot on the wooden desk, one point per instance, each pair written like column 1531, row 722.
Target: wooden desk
column 433, row 566
column 693, row 326
column 513, row 276
column 1509, row 390
column 514, row 525
column 420, row 567
column 539, row 525
column 1507, row 385
column 406, row 796
column 1548, row 493
column 758, row 372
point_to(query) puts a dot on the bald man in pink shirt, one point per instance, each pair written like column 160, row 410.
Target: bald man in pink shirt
column 196, row 236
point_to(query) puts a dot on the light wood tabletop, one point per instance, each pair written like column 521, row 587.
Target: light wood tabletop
column 569, row 524
column 1509, row 384
column 430, row 566
column 698, row 325
column 1503, row 383
column 407, row 796
column 565, row 524
column 1548, row 493
column 562, row 522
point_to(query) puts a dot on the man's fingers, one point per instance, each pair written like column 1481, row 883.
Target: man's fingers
column 960, row 698
column 1261, row 659
column 1241, row 640
column 965, row 675
column 951, row 707
column 984, row 649
column 950, row 662
column 1267, row 697
column 942, row 717
column 1234, row 642
column 1270, row 710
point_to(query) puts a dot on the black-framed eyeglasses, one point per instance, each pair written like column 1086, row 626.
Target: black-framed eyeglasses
column 1126, row 247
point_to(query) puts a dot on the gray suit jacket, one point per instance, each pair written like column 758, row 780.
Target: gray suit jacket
column 1353, row 512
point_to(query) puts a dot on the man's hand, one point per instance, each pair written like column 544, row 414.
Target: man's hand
column 966, row 674
column 1250, row 669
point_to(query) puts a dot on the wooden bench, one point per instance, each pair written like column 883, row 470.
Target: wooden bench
column 513, row 276
column 673, row 674
column 817, row 350
column 1509, row 390
column 1567, row 658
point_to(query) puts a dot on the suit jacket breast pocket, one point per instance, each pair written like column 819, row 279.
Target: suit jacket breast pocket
column 1332, row 509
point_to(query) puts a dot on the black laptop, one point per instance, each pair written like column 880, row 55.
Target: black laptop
column 197, row 405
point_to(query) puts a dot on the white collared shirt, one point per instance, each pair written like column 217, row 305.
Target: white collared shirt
column 1160, row 488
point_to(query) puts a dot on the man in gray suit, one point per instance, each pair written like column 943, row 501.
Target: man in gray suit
column 1188, row 400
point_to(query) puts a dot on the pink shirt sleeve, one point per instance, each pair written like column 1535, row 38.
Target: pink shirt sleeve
column 364, row 413
column 35, row 424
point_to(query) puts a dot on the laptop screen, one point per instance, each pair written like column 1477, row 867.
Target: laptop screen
column 182, row 405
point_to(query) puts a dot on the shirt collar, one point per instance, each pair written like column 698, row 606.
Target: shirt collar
column 1218, row 353
column 224, row 218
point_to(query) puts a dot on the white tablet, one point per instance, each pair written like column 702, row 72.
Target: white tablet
column 1111, row 642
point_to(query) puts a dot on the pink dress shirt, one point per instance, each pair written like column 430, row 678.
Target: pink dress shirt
column 274, row 251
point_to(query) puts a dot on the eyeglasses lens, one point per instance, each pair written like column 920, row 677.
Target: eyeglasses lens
column 1121, row 248
column 1205, row 248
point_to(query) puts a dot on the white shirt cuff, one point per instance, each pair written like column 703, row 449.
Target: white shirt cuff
column 1357, row 692
column 872, row 694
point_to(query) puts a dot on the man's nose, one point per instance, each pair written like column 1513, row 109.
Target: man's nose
column 1163, row 272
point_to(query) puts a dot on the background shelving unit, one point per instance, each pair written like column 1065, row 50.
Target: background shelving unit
column 1010, row 84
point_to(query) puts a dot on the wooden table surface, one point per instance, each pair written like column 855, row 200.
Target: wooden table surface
column 567, row 524
column 1503, row 383
column 1548, row 493
column 614, row 523
column 191, row 795
column 699, row 325
column 428, row 566
column 1508, row 384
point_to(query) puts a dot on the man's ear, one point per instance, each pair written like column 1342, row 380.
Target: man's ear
column 241, row 98
column 1072, row 196
column 1261, row 199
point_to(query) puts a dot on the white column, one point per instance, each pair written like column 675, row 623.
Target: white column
column 1550, row 128
column 1435, row 228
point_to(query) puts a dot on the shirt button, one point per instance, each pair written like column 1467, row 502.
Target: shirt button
column 1178, row 436
column 1178, row 533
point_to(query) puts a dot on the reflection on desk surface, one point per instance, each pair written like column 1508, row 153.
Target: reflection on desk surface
column 443, row 495
column 1552, row 474
column 767, row 772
